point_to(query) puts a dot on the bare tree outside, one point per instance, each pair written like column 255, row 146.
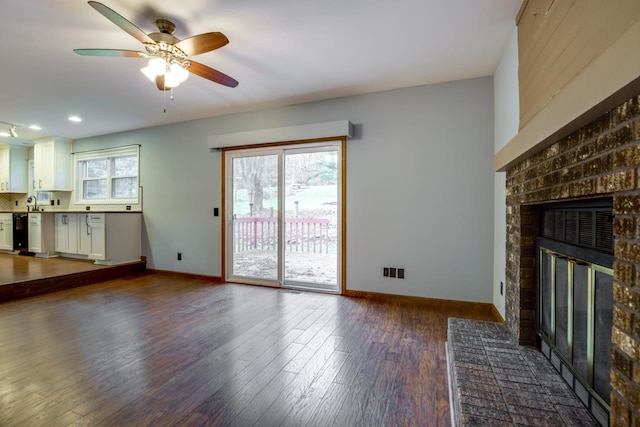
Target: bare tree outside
column 251, row 176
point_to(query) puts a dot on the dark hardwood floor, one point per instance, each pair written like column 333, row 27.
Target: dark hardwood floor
column 164, row 351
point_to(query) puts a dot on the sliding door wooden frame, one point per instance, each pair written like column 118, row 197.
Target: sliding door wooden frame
column 343, row 199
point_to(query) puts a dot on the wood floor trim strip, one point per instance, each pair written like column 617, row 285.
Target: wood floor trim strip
column 480, row 307
column 179, row 274
column 497, row 314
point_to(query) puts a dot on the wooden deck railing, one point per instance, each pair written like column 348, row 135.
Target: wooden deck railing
column 301, row 234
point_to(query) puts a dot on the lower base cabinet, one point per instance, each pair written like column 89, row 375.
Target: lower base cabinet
column 41, row 234
column 107, row 238
column 6, row 232
column 67, row 233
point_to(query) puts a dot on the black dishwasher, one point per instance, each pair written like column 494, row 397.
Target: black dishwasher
column 20, row 232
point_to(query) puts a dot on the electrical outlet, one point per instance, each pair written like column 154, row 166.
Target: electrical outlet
column 392, row 272
column 501, row 288
column 385, row 272
column 401, row 273
column 179, row 256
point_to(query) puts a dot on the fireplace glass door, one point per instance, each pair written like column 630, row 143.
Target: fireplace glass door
column 575, row 296
column 576, row 316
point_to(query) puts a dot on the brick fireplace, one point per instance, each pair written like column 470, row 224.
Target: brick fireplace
column 601, row 159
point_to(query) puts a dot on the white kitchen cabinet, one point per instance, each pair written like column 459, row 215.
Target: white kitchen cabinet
column 52, row 164
column 84, row 235
column 67, row 232
column 13, row 170
column 35, row 233
column 41, row 234
column 106, row 238
column 6, row 232
column 115, row 238
column 97, row 238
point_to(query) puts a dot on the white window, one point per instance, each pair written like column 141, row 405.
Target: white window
column 107, row 176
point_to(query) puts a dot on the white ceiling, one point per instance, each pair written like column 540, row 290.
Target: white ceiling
column 282, row 52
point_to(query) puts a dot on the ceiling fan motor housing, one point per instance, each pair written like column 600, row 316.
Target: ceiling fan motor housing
column 165, row 26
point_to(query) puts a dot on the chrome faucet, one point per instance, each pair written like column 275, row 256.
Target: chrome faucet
column 33, row 199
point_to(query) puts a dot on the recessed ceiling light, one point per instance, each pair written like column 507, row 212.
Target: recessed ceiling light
column 4, row 134
column 35, row 127
column 75, row 119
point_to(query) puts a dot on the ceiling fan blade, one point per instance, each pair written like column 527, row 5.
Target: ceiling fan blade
column 111, row 52
column 122, row 22
column 211, row 74
column 160, row 83
column 202, row 43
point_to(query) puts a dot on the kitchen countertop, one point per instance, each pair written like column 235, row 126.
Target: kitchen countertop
column 63, row 212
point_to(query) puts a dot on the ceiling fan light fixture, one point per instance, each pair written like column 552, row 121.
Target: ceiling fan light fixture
column 14, row 134
column 156, row 67
column 175, row 75
column 149, row 72
column 171, row 80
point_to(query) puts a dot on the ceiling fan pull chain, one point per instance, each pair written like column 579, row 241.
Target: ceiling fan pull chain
column 164, row 101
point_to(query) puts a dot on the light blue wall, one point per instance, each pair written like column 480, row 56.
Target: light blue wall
column 419, row 187
column 506, row 120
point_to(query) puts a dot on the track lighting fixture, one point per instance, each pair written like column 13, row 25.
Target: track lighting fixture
column 12, row 130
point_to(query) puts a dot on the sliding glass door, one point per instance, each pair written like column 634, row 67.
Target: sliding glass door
column 283, row 211
column 311, row 217
column 254, row 214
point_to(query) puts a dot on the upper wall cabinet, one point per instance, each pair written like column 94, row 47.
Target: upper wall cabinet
column 52, row 164
column 13, row 170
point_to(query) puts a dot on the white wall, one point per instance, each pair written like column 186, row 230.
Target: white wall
column 507, row 111
column 419, row 187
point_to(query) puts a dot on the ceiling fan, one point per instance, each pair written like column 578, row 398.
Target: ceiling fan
column 169, row 64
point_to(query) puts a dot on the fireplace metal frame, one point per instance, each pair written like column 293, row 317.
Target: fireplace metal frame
column 548, row 343
column 574, row 235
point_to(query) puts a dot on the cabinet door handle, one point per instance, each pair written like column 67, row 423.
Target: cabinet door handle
column 39, row 183
column 34, row 184
column 86, row 220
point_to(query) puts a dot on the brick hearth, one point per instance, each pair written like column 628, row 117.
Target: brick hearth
column 496, row 382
